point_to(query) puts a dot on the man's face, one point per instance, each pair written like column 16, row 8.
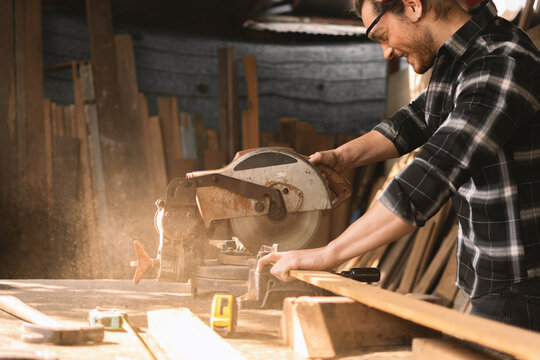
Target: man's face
column 399, row 37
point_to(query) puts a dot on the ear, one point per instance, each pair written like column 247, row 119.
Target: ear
column 413, row 10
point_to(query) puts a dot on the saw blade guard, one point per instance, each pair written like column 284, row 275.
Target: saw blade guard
column 303, row 189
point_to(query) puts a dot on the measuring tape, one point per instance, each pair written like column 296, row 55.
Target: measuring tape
column 224, row 314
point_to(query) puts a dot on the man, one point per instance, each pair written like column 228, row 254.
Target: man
column 479, row 124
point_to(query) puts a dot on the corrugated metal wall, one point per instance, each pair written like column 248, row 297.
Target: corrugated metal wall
column 339, row 88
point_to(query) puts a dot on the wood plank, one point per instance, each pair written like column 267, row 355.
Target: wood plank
column 8, row 135
column 250, row 117
column 214, row 159
column 119, row 142
column 304, row 140
column 87, row 194
column 411, row 269
column 268, row 137
column 526, row 15
column 441, row 221
column 498, row 336
column 390, row 260
column 446, row 349
column 212, row 139
column 534, row 34
column 187, row 134
column 446, row 287
column 322, row 327
column 438, row 262
column 198, row 125
column 160, row 172
column 461, row 301
column 172, row 143
column 184, row 336
column 229, row 128
column 48, row 151
column 287, row 131
column 31, row 83
column 20, row 88
column 153, row 150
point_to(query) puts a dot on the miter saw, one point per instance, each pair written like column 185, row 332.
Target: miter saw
column 270, row 197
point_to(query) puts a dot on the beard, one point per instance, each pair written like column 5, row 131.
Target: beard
column 421, row 50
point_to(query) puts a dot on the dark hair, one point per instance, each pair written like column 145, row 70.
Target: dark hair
column 441, row 8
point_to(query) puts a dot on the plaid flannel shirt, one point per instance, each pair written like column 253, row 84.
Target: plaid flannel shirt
column 479, row 124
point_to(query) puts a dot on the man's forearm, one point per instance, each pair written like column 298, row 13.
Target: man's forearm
column 377, row 227
column 369, row 148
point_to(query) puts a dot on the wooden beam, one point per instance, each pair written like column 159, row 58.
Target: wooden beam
column 87, row 194
column 446, row 287
column 322, row 327
column 534, row 34
column 446, row 349
column 250, row 117
column 120, row 139
column 170, row 129
column 30, row 86
column 153, row 150
column 184, row 336
column 526, row 15
column 229, row 129
column 287, row 131
column 47, row 132
column 492, row 334
column 8, row 128
column 438, row 262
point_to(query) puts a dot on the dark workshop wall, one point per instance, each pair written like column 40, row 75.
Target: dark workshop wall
column 339, row 88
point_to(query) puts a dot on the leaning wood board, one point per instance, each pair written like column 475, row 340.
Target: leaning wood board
column 520, row 343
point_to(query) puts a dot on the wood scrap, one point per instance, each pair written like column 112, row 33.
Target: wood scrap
column 322, row 327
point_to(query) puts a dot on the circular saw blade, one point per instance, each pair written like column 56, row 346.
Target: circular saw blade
column 295, row 231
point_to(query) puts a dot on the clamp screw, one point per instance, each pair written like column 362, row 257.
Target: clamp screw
column 259, row 207
column 214, row 178
column 285, row 191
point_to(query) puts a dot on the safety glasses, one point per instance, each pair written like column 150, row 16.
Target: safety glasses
column 377, row 19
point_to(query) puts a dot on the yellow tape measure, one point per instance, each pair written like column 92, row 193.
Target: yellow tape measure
column 224, row 314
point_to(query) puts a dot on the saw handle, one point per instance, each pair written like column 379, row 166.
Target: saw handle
column 338, row 185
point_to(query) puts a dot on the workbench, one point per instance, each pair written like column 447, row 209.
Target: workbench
column 257, row 336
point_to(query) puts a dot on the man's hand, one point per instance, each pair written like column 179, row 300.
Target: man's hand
column 283, row 263
column 329, row 158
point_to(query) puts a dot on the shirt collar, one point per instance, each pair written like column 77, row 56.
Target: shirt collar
column 483, row 15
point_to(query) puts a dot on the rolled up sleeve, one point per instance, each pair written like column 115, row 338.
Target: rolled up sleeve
column 472, row 135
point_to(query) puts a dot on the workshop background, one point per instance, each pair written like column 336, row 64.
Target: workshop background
column 91, row 89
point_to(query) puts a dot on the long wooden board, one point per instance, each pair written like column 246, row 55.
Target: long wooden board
column 518, row 342
column 184, row 336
